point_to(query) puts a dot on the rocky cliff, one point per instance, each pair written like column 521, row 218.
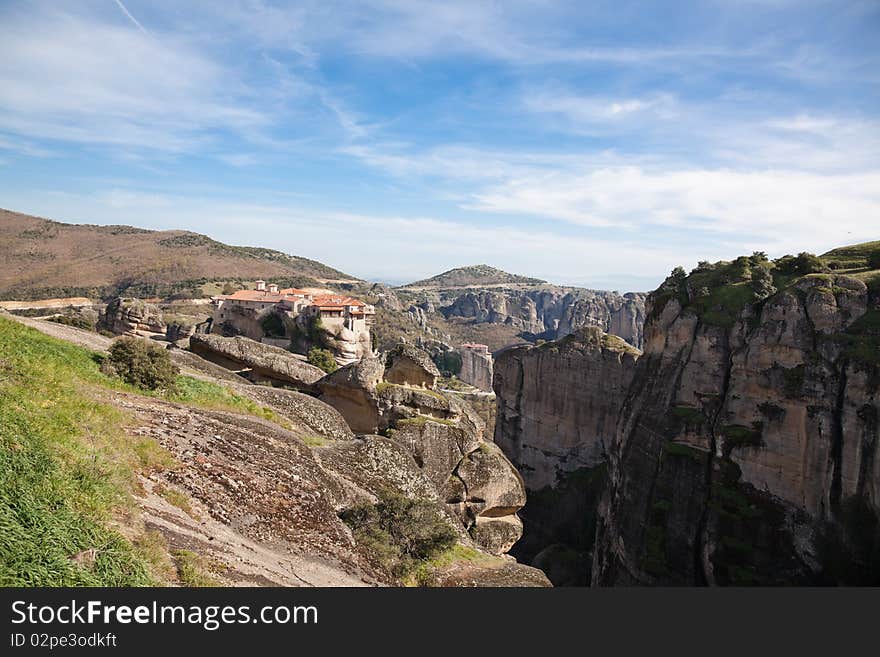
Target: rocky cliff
column 553, row 312
column 446, row 437
column 558, row 406
column 746, row 449
column 476, row 366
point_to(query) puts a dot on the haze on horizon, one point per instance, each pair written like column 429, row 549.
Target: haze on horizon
column 596, row 144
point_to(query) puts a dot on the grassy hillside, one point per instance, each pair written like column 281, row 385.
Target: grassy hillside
column 45, row 259
column 474, row 276
column 68, row 470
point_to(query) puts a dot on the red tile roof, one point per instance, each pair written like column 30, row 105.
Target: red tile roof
column 335, row 301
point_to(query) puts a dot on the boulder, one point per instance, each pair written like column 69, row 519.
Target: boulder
column 351, row 390
column 265, row 361
column 129, row 315
column 409, row 365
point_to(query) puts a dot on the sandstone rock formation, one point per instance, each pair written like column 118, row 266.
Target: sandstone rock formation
column 408, row 365
column 347, row 346
column 554, row 312
column 444, row 435
column 476, row 366
column 129, row 315
column 558, row 406
column 266, row 363
column 176, row 331
column 746, row 448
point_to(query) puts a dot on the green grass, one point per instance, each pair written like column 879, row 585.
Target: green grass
column 192, row 570
column 315, row 441
column 423, row 574
column 66, row 468
column 175, row 497
column 206, row 394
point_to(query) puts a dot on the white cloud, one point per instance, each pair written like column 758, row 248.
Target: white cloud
column 69, row 78
column 774, row 207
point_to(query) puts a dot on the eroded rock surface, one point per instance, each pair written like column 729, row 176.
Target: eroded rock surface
column 746, row 451
column 266, row 362
column 129, row 316
column 444, row 435
column 554, row 313
column 558, row 406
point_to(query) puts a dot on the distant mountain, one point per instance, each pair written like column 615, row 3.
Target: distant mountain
column 44, row 258
column 474, row 276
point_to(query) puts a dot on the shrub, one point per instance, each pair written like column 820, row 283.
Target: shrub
column 874, row 259
column 322, row 358
column 141, row 363
column 400, row 533
column 76, row 321
column 804, row 263
column 229, row 288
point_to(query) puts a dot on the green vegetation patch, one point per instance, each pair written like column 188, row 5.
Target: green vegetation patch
column 400, row 534
column 424, row 573
column 861, row 341
column 687, row 451
column 736, row 435
column 66, row 469
column 193, row 570
column 323, row 359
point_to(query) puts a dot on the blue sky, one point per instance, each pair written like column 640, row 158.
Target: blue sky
column 588, row 143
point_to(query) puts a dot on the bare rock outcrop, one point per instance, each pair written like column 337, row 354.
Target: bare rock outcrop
column 746, row 450
column 409, row 365
column 443, row 434
column 553, row 313
column 351, row 390
column 558, row 406
column 265, row 362
column 128, row 316
column 476, row 366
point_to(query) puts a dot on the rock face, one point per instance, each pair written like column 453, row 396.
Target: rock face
column 444, row 436
column 554, row 313
column 128, row 315
column 746, row 450
column 408, row 365
column 347, row 346
column 558, row 406
column 267, row 363
column 476, row 366
column 176, row 331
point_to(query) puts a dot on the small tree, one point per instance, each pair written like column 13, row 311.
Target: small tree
column 322, row 358
column 228, row 288
column 141, row 363
column 874, row 259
